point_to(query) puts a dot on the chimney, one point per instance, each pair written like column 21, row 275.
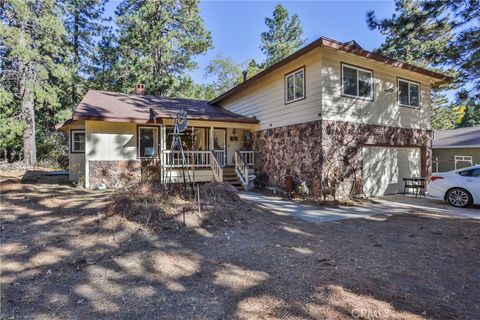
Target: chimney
column 245, row 73
column 140, row 89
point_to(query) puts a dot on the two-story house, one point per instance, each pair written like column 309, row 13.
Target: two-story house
column 343, row 119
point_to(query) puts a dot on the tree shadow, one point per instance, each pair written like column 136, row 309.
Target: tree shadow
column 62, row 258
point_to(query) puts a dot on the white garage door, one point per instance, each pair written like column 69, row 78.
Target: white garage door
column 385, row 167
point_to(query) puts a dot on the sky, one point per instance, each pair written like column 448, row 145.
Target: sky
column 236, row 25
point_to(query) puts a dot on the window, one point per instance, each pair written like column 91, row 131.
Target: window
column 357, row 82
column 408, row 93
column 147, row 142
column 295, row 86
column 470, row 173
column 77, row 141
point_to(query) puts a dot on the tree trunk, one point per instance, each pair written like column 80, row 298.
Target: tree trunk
column 27, row 114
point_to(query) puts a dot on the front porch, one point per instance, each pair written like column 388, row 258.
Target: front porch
column 205, row 166
column 220, row 153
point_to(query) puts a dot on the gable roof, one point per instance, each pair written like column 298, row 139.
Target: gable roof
column 349, row 47
column 457, row 138
column 121, row 107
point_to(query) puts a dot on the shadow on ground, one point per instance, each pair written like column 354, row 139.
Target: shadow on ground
column 62, row 258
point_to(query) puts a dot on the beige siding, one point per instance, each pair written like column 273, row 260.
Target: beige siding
column 384, row 109
column 446, row 158
column 109, row 141
column 265, row 98
column 266, row 101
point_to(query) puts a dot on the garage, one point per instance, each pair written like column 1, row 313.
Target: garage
column 385, row 167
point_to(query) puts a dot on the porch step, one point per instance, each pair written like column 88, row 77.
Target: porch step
column 230, row 177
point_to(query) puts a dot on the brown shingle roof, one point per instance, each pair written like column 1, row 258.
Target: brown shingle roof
column 121, row 107
column 349, row 47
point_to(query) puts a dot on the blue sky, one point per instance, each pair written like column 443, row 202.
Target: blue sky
column 236, row 25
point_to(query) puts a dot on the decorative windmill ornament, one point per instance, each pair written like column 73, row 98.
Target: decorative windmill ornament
column 177, row 155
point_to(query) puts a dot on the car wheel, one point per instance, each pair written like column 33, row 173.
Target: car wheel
column 459, row 197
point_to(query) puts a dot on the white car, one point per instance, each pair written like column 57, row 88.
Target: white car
column 461, row 188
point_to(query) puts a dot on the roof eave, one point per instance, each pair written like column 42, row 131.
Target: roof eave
column 348, row 47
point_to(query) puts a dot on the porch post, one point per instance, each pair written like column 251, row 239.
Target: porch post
column 211, row 137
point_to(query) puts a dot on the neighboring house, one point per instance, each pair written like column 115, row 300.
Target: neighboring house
column 453, row 149
column 332, row 114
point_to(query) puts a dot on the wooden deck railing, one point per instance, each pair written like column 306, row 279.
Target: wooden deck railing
column 216, row 168
column 248, row 157
column 193, row 159
column 220, row 156
column 241, row 168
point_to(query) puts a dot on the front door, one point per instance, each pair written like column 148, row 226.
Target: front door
column 220, row 145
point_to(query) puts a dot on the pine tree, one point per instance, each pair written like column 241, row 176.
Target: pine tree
column 104, row 60
column 157, row 43
column 284, row 36
column 471, row 115
column 412, row 35
column 83, row 22
column 442, row 115
column 440, row 34
column 32, row 39
column 253, row 68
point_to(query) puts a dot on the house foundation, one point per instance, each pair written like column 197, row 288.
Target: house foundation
column 113, row 173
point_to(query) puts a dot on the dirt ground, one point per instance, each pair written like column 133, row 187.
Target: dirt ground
column 63, row 258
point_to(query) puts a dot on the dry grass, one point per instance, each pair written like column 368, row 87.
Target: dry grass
column 64, row 257
column 161, row 208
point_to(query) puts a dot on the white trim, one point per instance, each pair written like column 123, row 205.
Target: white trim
column 409, row 83
column 73, row 132
column 293, row 73
column 370, row 97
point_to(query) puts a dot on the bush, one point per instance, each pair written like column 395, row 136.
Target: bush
column 52, row 150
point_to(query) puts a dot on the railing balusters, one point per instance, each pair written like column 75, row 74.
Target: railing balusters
column 248, row 157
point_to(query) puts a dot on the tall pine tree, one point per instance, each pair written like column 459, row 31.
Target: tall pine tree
column 284, row 36
column 83, row 22
column 33, row 42
column 157, row 43
column 104, row 60
column 412, row 35
column 441, row 34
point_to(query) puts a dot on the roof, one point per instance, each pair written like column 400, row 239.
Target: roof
column 349, row 47
column 457, row 138
column 121, row 107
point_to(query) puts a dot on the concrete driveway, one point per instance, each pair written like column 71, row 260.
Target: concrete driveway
column 386, row 204
column 430, row 204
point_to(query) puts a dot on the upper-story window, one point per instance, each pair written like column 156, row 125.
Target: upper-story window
column 295, row 85
column 77, row 141
column 408, row 93
column 357, row 82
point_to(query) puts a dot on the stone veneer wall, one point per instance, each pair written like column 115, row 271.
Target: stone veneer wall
column 342, row 146
column 114, row 174
column 324, row 152
column 290, row 151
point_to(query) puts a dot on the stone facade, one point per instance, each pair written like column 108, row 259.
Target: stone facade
column 115, row 173
column 328, row 154
column 290, row 151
